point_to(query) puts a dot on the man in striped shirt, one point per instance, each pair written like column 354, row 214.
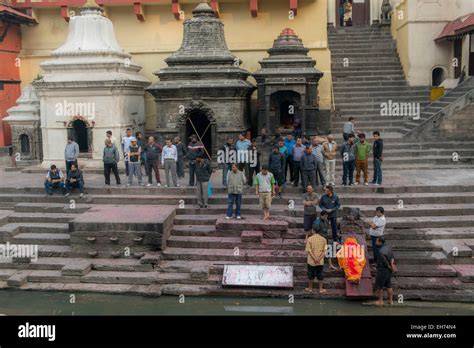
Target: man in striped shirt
column 318, row 153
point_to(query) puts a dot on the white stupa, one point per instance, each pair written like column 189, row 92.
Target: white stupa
column 90, row 85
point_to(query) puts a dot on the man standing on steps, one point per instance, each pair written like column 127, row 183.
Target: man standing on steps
column 276, row 166
column 329, row 202
column 169, row 157
column 348, row 161
column 348, row 128
column 265, row 189
column 111, row 157
column 298, row 152
column 319, row 172
column 385, row 268
column 378, row 158
column 228, row 147
column 134, row 164
column 362, row 150
column 235, row 187
column 182, row 152
column 203, row 175
column 195, row 148
column 310, row 202
column 243, row 146
column 316, row 249
column 289, row 144
column 330, row 153
column 308, row 168
column 152, row 152
column 376, row 229
column 71, row 153
column 126, row 141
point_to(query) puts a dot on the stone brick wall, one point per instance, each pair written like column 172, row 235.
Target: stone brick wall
column 458, row 125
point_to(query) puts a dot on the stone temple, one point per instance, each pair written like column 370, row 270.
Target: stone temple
column 288, row 87
column 90, row 85
column 203, row 90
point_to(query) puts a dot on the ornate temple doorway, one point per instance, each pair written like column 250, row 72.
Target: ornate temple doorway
column 198, row 124
column 352, row 12
column 287, row 108
column 81, row 132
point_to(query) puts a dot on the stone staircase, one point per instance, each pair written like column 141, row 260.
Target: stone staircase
column 434, row 222
column 439, row 106
column 367, row 72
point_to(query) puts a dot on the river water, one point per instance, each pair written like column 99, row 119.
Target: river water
column 14, row 302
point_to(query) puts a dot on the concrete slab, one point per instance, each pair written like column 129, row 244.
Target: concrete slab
column 123, row 218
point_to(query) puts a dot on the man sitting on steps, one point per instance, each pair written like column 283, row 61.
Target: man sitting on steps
column 74, row 180
column 54, row 180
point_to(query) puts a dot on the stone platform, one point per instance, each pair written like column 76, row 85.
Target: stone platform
column 120, row 231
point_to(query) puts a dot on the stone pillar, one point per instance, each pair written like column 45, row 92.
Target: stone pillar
column 270, row 127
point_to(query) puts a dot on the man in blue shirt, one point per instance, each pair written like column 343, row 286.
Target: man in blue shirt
column 289, row 144
column 242, row 146
column 298, row 152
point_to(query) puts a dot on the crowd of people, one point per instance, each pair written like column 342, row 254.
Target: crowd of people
column 305, row 163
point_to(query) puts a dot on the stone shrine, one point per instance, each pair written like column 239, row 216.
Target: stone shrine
column 24, row 118
column 203, row 90
column 90, row 85
column 288, row 88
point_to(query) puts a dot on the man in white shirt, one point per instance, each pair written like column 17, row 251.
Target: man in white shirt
column 169, row 157
column 126, row 141
column 376, row 229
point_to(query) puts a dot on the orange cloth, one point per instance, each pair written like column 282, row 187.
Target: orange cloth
column 351, row 258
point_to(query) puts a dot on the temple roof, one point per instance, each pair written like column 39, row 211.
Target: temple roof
column 203, row 59
column 90, row 55
column 288, row 57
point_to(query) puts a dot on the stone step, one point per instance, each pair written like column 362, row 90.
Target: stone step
column 433, row 233
column 42, row 238
column 261, row 255
column 55, row 208
column 51, row 276
column 54, row 250
column 300, row 269
column 360, row 72
column 276, row 244
column 386, row 83
column 40, row 217
column 109, row 277
column 367, row 210
column 36, row 227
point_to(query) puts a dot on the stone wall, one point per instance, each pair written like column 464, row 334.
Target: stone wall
column 459, row 125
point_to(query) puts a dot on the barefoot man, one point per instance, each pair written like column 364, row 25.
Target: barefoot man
column 265, row 189
column 316, row 249
column 385, row 268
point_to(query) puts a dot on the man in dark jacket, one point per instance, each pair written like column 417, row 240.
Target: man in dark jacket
column 348, row 160
column 329, row 202
column 195, row 149
column 276, row 166
column 385, row 268
column 152, row 152
column 378, row 158
column 308, row 168
column 74, row 180
column 111, row 157
column 182, row 152
column 203, row 174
